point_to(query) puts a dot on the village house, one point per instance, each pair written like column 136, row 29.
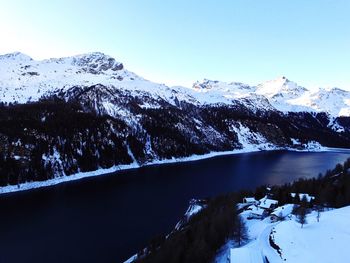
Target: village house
column 258, row 213
column 268, row 204
column 281, row 213
column 260, row 209
column 250, row 200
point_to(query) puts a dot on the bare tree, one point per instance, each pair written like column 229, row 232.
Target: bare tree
column 318, row 210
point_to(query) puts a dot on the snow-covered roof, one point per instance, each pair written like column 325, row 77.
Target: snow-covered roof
column 267, row 203
column 245, row 255
column 283, row 211
column 249, row 199
column 301, row 196
column 251, row 207
column 257, row 211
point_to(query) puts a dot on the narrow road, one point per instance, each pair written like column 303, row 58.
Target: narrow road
column 267, row 250
column 262, row 243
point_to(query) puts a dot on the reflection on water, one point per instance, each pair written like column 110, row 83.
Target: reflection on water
column 108, row 218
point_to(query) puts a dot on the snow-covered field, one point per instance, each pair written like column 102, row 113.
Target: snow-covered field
column 326, row 241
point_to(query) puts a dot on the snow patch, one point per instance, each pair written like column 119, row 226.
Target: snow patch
column 250, row 140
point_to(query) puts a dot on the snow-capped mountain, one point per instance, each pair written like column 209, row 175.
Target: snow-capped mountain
column 333, row 101
column 23, row 79
column 86, row 112
column 282, row 94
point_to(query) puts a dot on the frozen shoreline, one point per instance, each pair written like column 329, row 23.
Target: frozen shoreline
column 81, row 175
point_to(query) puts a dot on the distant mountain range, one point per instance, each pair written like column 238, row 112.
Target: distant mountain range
column 23, row 79
column 68, row 115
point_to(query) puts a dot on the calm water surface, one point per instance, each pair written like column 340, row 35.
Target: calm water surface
column 108, row 218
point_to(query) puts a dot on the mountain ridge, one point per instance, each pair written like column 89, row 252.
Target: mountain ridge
column 33, row 79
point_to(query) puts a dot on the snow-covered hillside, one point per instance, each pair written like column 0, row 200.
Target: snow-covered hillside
column 281, row 94
column 325, row 241
column 23, row 79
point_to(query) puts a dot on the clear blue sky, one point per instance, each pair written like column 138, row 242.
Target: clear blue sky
column 179, row 42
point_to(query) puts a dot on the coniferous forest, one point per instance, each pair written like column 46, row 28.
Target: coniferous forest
column 61, row 135
column 41, row 140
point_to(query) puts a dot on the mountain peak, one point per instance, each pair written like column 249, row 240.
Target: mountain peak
column 281, row 80
column 93, row 62
column 205, row 84
column 97, row 61
column 16, row 56
column 94, row 55
column 280, row 85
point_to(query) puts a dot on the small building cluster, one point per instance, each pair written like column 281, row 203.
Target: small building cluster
column 266, row 206
column 260, row 208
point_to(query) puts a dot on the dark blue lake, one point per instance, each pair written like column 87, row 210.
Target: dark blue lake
column 109, row 218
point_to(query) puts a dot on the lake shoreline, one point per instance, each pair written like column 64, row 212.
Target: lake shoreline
column 101, row 172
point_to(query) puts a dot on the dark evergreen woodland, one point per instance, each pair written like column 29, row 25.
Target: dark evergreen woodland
column 70, row 131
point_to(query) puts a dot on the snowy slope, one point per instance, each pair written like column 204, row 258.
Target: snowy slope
column 334, row 101
column 281, row 94
column 23, row 79
column 324, row 241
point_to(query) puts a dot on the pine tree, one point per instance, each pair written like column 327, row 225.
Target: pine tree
column 301, row 216
column 240, row 231
column 304, row 202
column 295, row 209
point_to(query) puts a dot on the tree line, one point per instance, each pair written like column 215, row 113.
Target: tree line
column 66, row 133
column 201, row 237
column 206, row 231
